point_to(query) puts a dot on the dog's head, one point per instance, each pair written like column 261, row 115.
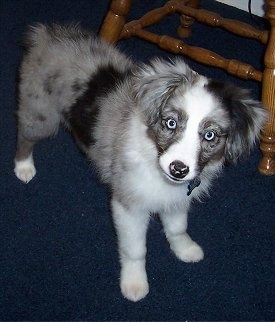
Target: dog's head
column 195, row 123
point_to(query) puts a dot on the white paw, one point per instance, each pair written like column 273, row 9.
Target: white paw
column 134, row 290
column 133, row 284
column 185, row 248
column 25, row 170
column 190, row 254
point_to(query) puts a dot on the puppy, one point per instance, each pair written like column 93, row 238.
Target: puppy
column 157, row 133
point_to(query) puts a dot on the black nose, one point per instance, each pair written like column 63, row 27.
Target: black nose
column 178, row 169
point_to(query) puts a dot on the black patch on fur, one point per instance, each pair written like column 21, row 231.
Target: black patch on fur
column 33, row 96
column 232, row 97
column 77, row 86
column 84, row 112
column 160, row 134
column 211, row 150
column 48, row 87
column 41, row 118
column 243, row 113
column 49, row 82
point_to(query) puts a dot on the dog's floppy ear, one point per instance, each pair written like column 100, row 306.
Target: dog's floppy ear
column 154, row 83
column 247, row 119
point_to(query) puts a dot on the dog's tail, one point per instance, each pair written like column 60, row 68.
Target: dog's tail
column 37, row 36
column 42, row 36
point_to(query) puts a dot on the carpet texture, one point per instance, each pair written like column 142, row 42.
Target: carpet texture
column 58, row 247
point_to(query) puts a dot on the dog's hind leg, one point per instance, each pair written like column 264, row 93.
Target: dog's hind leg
column 24, row 166
column 31, row 129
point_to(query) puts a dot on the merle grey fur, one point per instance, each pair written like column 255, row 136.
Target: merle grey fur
column 118, row 112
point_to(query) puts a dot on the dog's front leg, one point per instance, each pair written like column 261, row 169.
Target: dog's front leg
column 131, row 226
column 175, row 226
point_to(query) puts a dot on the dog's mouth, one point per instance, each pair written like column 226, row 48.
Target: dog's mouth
column 174, row 179
column 192, row 184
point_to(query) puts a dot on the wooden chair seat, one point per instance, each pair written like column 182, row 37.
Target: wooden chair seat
column 115, row 27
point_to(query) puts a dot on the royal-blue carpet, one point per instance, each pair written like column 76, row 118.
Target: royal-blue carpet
column 58, row 258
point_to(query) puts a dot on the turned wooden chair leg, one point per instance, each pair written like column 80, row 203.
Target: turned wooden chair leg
column 186, row 22
column 115, row 20
column 267, row 164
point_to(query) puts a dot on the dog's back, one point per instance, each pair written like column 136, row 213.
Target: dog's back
column 58, row 63
column 64, row 70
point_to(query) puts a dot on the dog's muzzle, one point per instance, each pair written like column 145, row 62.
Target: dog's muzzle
column 178, row 171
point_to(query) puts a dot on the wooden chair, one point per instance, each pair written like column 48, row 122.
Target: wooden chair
column 115, row 28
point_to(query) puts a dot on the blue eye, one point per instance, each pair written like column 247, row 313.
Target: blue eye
column 209, row 136
column 171, row 124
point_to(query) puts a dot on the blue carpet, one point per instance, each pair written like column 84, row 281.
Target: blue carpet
column 58, row 248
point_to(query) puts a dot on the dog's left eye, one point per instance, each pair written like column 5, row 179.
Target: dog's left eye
column 171, row 124
column 209, row 136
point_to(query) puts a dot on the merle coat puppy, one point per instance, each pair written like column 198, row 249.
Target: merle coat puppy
column 157, row 133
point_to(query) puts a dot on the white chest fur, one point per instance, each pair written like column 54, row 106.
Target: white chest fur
column 142, row 175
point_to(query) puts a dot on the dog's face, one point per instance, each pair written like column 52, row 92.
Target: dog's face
column 190, row 133
column 195, row 122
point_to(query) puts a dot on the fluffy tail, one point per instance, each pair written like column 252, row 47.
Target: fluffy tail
column 42, row 35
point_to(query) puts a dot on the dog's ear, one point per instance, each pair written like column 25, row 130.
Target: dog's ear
column 154, row 84
column 247, row 119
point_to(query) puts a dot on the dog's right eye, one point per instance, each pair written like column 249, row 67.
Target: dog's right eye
column 171, row 124
column 209, row 136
